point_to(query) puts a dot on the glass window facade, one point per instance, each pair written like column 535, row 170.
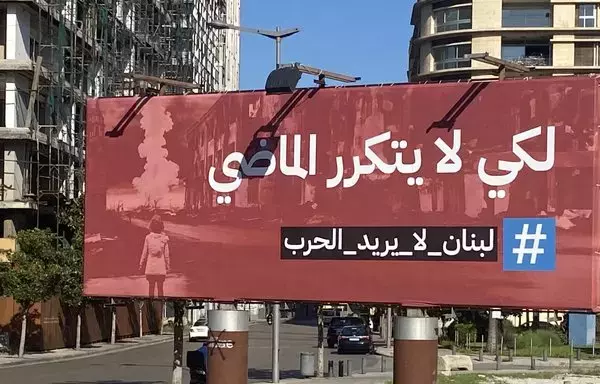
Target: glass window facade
column 451, row 56
column 452, row 19
column 526, row 16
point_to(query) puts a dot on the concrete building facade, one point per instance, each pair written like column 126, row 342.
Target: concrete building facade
column 90, row 48
column 551, row 37
column 555, row 37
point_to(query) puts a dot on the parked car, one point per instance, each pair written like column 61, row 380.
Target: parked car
column 199, row 331
column 355, row 339
column 336, row 325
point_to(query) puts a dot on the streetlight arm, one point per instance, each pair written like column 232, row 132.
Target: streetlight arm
column 257, row 31
column 321, row 72
column 287, row 32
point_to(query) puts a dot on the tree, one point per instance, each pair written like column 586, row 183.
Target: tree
column 71, row 284
column 3, row 269
column 33, row 274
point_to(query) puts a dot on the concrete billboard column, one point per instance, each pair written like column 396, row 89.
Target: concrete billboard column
column 415, row 350
column 227, row 347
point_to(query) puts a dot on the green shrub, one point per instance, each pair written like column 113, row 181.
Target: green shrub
column 466, row 328
column 539, row 338
column 466, row 331
column 509, row 332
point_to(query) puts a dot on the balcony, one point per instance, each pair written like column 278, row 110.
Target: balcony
column 529, row 54
column 531, row 61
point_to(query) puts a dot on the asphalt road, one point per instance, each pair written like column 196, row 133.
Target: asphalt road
column 153, row 364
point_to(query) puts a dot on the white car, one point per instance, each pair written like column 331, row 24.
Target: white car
column 199, row 331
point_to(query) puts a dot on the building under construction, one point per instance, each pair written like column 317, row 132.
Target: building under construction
column 55, row 53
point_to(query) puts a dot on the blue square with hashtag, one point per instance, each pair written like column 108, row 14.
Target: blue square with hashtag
column 529, row 244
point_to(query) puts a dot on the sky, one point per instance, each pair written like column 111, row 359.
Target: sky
column 353, row 37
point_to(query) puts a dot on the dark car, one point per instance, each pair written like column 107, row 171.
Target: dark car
column 355, row 339
column 336, row 325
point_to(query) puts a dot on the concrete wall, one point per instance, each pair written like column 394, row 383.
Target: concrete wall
column 426, row 58
column 6, row 245
column 563, row 53
column 427, row 22
column 487, row 14
column 564, row 15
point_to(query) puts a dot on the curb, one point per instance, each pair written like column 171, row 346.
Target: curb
column 379, row 352
column 375, row 377
column 24, row 363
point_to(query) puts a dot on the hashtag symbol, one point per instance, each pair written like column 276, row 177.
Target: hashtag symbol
column 535, row 250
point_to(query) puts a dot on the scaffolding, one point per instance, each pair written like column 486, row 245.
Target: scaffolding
column 92, row 48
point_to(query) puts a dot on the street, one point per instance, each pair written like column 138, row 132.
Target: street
column 153, row 364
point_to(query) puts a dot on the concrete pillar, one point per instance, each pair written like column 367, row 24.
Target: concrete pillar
column 16, row 99
column 15, row 167
column 227, row 347
column 415, row 350
column 17, row 33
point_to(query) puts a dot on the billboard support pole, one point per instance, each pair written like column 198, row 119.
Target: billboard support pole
column 415, row 350
column 179, row 308
column 276, row 322
column 388, row 333
column 113, row 322
column 227, row 347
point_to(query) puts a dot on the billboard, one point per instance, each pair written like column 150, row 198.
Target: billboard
column 465, row 194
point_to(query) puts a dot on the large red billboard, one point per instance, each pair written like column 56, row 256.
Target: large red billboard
column 465, row 194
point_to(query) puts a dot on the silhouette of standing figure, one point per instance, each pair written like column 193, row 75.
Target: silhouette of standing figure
column 155, row 260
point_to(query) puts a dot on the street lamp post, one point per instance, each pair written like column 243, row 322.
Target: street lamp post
column 278, row 35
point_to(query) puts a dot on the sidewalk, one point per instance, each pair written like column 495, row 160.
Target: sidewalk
column 517, row 364
column 367, row 378
column 66, row 354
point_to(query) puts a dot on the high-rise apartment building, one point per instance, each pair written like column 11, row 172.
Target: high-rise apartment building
column 554, row 37
column 90, row 48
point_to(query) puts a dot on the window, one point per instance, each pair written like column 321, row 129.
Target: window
column 526, row 16
column 354, row 331
column 586, row 15
column 451, row 56
column 452, row 19
column 587, row 54
column 345, row 321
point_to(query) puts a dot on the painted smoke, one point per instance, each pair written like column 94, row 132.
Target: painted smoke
column 160, row 174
